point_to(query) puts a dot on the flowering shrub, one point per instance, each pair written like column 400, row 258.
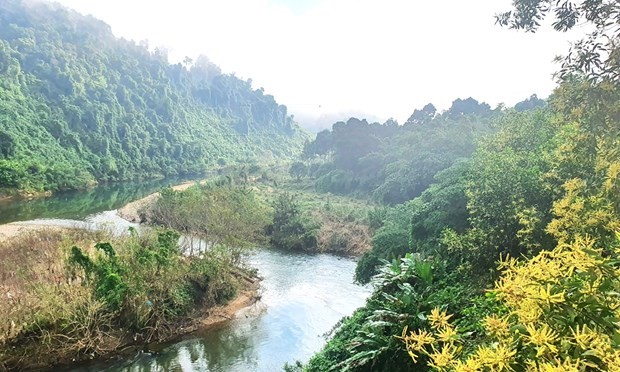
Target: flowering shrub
column 564, row 315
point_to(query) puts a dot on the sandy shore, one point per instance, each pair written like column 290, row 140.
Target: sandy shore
column 246, row 303
column 10, row 230
column 130, row 212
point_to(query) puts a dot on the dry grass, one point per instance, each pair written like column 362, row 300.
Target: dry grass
column 31, row 260
column 342, row 236
column 49, row 317
column 35, row 284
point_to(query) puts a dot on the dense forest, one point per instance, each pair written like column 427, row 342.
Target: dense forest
column 464, row 193
column 79, row 106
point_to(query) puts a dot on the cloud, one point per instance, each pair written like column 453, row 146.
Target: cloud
column 381, row 57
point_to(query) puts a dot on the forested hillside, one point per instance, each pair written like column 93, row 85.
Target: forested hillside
column 394, row 163
column 78, row 105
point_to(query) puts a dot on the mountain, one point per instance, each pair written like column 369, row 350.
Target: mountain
column 78, row 105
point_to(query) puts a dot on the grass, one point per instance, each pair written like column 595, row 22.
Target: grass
column 136, row 289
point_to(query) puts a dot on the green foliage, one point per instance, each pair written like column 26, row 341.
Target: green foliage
column 388, row 244
column 395, row 163
column 147, row 281
column 219, row 213
column 509, row 199
column 443, row 205
column 105, row 273
column 291, row 230
column 298, row 169
column 79, row 105
column 417, row 225
column 405, row 292
column 541, row 176
column 109, row 275
column 560, row 313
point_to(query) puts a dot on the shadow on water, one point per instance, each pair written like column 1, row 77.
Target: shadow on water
column 78, row 205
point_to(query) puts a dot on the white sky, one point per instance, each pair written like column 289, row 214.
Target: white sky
column 383, row 58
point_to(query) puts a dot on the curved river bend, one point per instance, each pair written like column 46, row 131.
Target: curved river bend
column 303, row 297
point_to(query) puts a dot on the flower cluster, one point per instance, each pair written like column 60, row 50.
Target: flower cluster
column 564, row 315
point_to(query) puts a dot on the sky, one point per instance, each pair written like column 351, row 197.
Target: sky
column 328, row 59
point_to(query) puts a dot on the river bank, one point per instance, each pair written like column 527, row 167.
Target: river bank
column 47, row 268
column 131, row 211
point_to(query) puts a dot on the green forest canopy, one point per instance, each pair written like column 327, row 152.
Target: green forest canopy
column 79, row 105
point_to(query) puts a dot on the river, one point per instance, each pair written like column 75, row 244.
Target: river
column 302, row 297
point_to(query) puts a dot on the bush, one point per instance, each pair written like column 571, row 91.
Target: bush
column 562, row 315
column 291, row 230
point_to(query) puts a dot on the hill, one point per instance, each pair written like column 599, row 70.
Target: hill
column 79, row 106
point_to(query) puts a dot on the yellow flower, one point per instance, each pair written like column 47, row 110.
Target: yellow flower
column 583, row 337
column 566, row 366
column 439, row 319
column 497, row 327
column 528, row 311
column 417, row 341
column 471, row 365
column 543, row 338
column 546, row 296
column 448, row 334
column 445, row 358
column 498, row 358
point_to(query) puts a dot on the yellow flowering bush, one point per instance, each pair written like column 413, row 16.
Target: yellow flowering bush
column 564, row 315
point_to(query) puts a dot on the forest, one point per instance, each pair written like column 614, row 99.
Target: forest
column 80, row 106
column 493, row 228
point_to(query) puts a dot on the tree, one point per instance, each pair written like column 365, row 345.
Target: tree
column 426, row 114
column 597, row 55
column 468, row 106
column 298, row 170
column 290, row 229
column 531, row 103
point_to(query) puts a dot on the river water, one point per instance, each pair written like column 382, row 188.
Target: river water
column 302, row 296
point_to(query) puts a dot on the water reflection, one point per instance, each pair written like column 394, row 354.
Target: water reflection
column 80, row 204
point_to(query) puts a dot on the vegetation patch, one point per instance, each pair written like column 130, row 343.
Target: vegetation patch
column 80, row 295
